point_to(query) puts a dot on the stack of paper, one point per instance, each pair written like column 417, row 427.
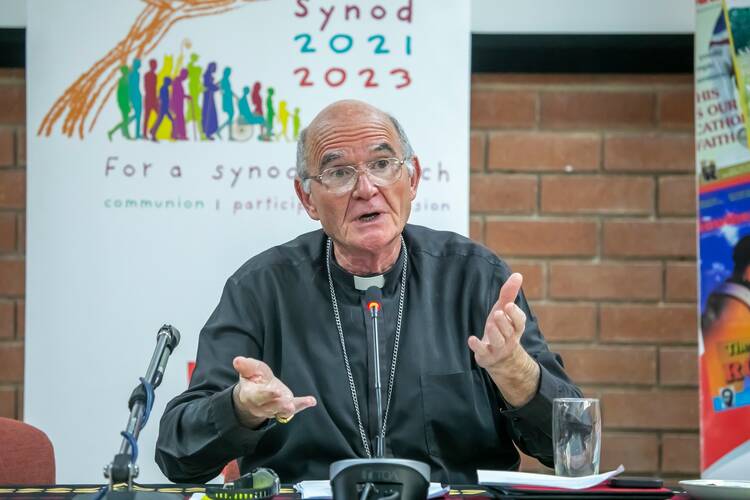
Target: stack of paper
column 495, row 478
column 322, row 489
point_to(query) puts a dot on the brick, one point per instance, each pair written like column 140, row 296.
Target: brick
column 476, row 229
column 677, row 195
column 12, row 189
column 12, row 74
column 648, row 323
column 544, row 151
column 21, row 146
column 678, row 366
column 22, row 233
column 594, row 109
column 503, row 108
column 13, row 103
column 609, row 365
column 605, row 281
column 7, row 320
column 582, row 194
column 649, row 409
column 566, row 322
column 677, row 108
column 477, row 149
column 680, row 453
column 638, row 238
column 7, row 232
column 12, row 277
column 503, row 193
column 8, row 402
column 7, row 147
column 682, row 282
column 20, row 318
column 533, row 278
column 649, row 153
column 535, row 238
column 638, row 451
column 11, row 362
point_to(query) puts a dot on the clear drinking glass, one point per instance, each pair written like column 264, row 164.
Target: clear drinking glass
column 576, row 436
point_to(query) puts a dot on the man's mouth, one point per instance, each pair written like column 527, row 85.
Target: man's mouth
column 368, row 217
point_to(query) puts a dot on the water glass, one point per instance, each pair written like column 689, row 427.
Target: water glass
column 576, row 436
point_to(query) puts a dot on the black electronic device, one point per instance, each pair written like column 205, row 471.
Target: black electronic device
column 379, row 478
column 257, row 484
column 635, row 482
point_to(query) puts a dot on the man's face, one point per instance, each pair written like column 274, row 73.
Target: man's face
column 367, row 218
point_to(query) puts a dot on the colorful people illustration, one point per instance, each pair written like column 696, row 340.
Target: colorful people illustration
column 134, row 88
column 190, row 96
column 227, row 102
column 283, row 120
column 209, row 119
column 194, row 89
column 163, row 108
column 270, row 115
column 123, row 102
column 151, row 100
column 177, row 102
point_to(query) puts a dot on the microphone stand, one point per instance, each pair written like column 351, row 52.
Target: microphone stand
column 378, row 477
column 123, row 468
column 374, row 307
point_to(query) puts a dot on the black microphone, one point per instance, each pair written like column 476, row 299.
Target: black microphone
column 172, row 341
column 377, row 477
column 374, row 301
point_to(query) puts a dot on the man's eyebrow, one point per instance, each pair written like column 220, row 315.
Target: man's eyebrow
column 330, row 157
column 384, row 146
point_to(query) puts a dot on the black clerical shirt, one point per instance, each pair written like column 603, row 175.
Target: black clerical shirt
column 445, row 410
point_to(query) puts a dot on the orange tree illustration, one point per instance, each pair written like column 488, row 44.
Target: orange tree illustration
column 92, row 89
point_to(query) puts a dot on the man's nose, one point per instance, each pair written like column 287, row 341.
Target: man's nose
column 364, row 188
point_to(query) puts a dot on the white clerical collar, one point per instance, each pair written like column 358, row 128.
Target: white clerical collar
column 363, row 283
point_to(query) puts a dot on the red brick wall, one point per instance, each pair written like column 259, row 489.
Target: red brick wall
column 584, row 184
column 12, row 239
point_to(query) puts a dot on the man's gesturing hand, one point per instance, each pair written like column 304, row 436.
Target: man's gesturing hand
column 259, row 395
column 503, row 328
column 500, row 351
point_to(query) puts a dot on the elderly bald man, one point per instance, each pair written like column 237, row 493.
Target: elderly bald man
column 468, row 372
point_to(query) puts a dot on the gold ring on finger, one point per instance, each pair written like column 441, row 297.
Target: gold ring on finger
column 283, row 420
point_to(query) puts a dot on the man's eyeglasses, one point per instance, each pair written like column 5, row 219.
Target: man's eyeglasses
column 341, row 179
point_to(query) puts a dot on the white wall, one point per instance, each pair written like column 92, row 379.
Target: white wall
column 531, row 16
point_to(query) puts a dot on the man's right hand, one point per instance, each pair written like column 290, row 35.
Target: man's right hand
column 259, row 395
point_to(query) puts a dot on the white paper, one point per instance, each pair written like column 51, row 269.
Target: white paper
column 496, row 477
column 322, row 490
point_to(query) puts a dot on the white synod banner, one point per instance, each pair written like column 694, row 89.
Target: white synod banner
column 161, row 153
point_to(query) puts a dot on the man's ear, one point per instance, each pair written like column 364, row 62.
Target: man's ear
column 304, row 198
column 416, row 176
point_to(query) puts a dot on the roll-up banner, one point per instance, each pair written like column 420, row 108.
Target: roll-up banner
column 161, row 154
column 722, row 93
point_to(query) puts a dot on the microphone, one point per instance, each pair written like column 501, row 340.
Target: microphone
column 378, row 478
column 172, row 341
column 374, row 301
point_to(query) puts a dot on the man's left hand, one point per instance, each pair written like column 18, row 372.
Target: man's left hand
column 500, row 351
column 503, row 328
